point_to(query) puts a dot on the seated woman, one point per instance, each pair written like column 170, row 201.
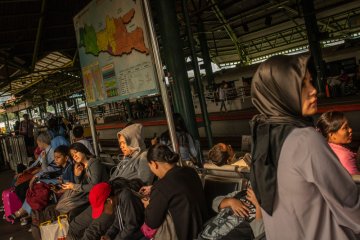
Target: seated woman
column 334, row 126
column 88, row 170
column 222, row 154
column 178, row 192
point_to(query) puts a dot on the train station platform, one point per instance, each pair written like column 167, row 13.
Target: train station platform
column 10, row 231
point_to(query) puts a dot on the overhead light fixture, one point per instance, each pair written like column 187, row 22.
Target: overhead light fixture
column 245, row 27
column 268, row 20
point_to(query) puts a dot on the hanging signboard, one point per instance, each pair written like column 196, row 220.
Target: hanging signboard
column 115, row 52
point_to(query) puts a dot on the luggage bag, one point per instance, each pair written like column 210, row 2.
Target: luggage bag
column 11, row 203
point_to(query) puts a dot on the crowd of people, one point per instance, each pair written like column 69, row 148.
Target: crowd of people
column 300, row 175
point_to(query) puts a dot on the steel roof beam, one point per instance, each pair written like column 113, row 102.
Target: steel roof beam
column 238, row 46
column 38, row 34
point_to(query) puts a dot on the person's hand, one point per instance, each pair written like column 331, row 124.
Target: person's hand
column 251, row 197
column 68, row 185
column 145, row 190
column 78, row 169
column 154, row 141
column 145, row 201
column 239, row 207
column 43, row 155
column 105, row 237
column 32, row 181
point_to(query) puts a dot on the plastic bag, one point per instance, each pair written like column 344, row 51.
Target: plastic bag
column 55, row 230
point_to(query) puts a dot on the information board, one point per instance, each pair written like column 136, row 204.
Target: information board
column 115, row 52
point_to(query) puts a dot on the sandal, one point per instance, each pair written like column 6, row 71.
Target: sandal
column 25, row 220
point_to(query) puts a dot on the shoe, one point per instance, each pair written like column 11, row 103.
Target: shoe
column 24, row 221
column 13, row 217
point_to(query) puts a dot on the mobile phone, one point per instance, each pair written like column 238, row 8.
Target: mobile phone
column 139, row 195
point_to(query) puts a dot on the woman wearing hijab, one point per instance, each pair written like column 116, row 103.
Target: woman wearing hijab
column 296, row 177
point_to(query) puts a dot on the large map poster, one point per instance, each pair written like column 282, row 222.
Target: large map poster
column 115, row 51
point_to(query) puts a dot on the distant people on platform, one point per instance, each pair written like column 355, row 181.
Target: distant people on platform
column 78, row 133
column 335, row 127
column 177, row 197
column 26, row 129
column 186, row 143
column 221, row 91
column 222, row 154
column 302, row 188
column 57, row 133
column 17, row 128
column 134, row 163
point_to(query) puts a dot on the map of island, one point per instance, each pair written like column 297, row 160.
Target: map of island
column 114, row 38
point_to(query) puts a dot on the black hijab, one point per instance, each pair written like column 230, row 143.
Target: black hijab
column 276, row 93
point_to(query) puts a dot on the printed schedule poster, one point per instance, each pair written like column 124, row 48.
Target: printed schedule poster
column 115, row 52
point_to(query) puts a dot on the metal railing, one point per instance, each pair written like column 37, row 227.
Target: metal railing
column 14, row 150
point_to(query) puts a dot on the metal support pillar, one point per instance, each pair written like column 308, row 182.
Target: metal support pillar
column 7, row 122
column 128, row 110
column 175, row 61
column 76, row 106
column 17, row 114
column 38, row 34
column 205, row 54
column 64, row 109
column 28, row 111
column 41, row 114
column 55, row 107
column 45, row 109
column 93, row 131
column 198, row 76
column 314, row 42
column 161, row 78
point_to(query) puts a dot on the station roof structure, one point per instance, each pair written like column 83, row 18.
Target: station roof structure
column 38, row 52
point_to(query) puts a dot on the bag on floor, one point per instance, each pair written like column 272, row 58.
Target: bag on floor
column 166, row 230
column 37, row 217
column 11, row 203
column 38, row 196
column 56, row 230
column 70, row 200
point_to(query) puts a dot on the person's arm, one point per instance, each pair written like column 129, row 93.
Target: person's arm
column 131, row 210
column 192, row 146
column 217, row 201
column 95, row 176
column 252, row 198
column 144, row 172
column 322, row 168
column 114, row 228
column 157, row 209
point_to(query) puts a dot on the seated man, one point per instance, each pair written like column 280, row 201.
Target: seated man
column 114, row 212
column 78, row 133
column 222, row 154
